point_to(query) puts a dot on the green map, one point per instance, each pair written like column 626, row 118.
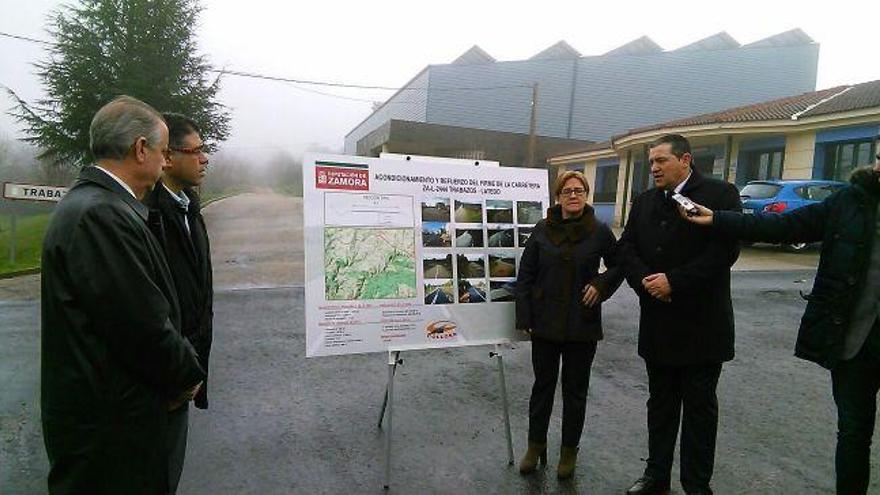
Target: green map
column 361, row 263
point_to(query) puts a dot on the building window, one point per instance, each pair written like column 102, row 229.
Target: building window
column 641, row 179
column 842, row 158
column 764, row 165
column 704, row 163
column 606, row 184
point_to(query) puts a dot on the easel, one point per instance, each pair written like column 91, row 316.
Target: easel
column 388, row 406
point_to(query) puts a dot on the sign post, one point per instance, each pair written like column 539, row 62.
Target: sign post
column 27, row 192
column 33, row 192
column 12, row 223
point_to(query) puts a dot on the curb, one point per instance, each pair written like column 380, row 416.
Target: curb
column 218, row 198
column 19, row 273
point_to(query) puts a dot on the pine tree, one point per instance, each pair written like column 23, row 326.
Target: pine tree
column 106, row 48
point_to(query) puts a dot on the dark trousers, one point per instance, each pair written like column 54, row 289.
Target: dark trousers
column 689, row 390
column 855, row 383
column 577, row 358
column 175, row 444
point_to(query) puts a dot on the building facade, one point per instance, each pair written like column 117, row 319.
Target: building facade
column 818, row 135
column 591, row 98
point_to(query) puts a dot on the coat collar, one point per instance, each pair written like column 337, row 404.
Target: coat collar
column 559, row 231
column 160, row 197
column 95, row 176
column 692, row 183
column 161, row 200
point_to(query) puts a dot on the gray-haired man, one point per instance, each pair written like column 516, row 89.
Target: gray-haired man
column 113, row 361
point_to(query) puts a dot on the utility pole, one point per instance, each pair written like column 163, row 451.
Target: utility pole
column 532, row 126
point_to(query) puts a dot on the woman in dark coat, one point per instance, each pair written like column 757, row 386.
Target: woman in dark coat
column 559, row 292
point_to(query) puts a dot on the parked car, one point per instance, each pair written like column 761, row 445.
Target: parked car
column 779, row 196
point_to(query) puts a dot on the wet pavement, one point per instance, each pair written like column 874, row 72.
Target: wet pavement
column 281, row 423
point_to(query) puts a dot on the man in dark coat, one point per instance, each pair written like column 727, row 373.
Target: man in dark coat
column 112, row 361
column 184, row 239
column 682, row 277
column 840, row 329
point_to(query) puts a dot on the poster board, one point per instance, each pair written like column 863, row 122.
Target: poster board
column 402, row 255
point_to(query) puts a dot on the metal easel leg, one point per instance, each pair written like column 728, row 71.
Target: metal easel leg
column 497, row 354
column 388, row 405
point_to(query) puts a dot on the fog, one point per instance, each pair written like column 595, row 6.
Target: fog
column 387, row 43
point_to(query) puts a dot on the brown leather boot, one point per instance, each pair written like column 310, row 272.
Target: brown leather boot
column 535, row 452
column 567, row 461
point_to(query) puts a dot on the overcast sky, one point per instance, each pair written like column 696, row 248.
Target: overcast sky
column 387, row 42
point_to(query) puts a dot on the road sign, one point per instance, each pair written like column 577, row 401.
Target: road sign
column 33, row 192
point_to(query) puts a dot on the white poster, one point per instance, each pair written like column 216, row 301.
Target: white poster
column 412, row 255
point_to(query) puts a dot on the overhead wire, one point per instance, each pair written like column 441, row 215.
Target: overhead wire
column 298, row 82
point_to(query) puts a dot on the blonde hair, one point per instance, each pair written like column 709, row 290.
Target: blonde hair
column 571, row 174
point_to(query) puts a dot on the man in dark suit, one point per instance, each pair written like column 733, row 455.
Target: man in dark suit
column 184, row 240
column 682, row 277
column 112, row 358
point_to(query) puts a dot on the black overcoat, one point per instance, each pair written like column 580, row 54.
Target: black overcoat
column 112, row 357
column 189, row 257
column 697, row 326
column 558, row 261
column 846, row 223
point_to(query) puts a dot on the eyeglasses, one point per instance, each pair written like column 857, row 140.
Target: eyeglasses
column 577, row 191
column 195, row 150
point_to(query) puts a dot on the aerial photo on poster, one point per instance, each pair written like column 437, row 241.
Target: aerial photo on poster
column 369, row 263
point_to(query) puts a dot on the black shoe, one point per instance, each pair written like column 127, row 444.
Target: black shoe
column 647, row 485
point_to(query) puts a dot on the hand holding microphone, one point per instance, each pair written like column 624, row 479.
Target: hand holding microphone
column 693, row 212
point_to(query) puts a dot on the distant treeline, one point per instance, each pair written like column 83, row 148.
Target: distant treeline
column 228, row 172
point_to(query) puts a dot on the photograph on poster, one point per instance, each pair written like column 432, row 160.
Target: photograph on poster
column 502, row 290
column 500, row 237
column 364, row 263
column 437, row 265
column 439, row 292
column 471, row 291
column 499, row 211
column 468, row 212
column 471, row 265
column 435, row 210
column 529, row 212
column 469, row 238
column 524, row 234
column 436, row 234
column 502, row 265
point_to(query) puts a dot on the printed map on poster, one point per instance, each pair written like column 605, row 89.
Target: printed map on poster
column 364, row 263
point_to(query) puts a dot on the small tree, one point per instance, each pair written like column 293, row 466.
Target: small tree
column 105, row 48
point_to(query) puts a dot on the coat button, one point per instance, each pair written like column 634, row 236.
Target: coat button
column 851, row 280
column 837, row 320
column 663, row 223
column 659, row 249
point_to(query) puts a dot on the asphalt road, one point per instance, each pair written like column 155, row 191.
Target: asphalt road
column 281, row 423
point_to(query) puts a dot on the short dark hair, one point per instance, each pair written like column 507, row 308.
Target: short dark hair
column 570, row 174
column 179, row 126
column 679, row 144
